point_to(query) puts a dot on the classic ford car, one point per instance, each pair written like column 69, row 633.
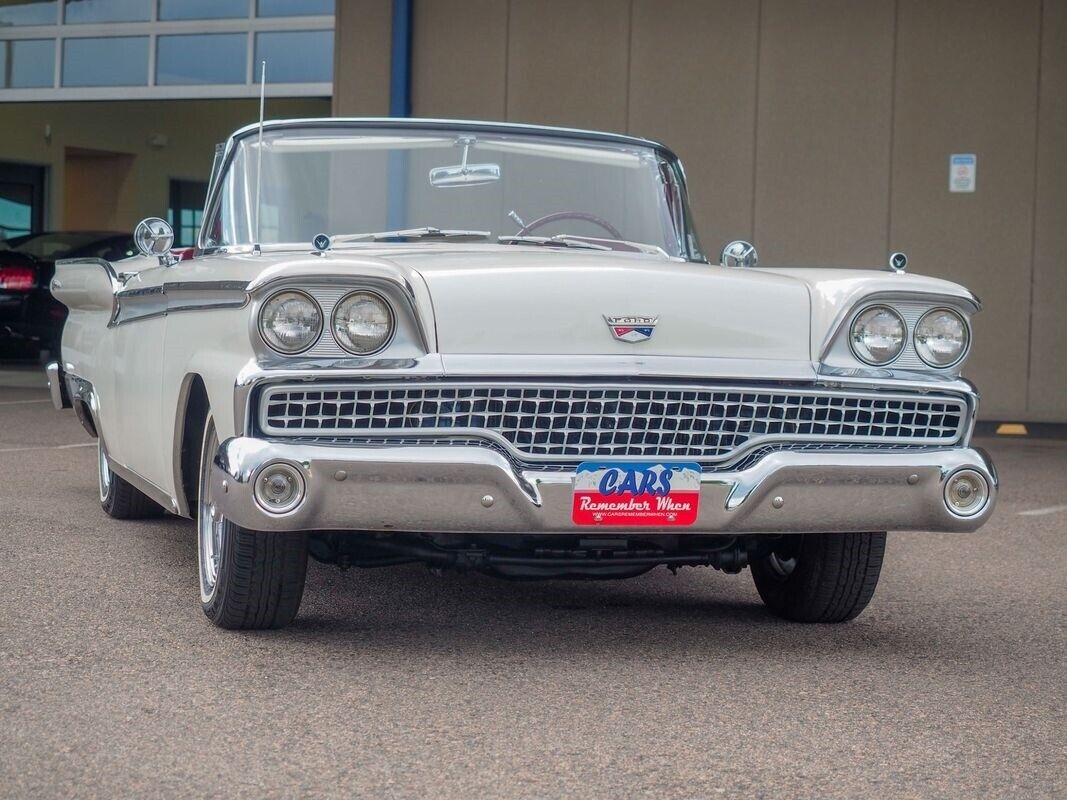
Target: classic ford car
column 502, row 348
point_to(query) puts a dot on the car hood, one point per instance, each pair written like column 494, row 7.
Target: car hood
column 516, row 301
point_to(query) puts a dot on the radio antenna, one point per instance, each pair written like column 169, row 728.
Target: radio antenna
column 259, row 150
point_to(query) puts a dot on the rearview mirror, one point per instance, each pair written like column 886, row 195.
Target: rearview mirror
column 464, row 174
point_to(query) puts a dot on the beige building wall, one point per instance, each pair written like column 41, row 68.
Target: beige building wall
column 105, row 145
column 822, row 129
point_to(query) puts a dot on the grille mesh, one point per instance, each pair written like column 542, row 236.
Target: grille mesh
column 582, row 421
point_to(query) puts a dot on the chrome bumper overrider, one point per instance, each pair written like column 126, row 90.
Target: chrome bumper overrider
column 477, row 490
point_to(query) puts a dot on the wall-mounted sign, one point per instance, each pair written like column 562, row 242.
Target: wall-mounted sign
column 962, row 172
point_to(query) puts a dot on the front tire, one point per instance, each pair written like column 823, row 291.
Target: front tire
column 118, row 497
column 248, row 580
column 820, row 577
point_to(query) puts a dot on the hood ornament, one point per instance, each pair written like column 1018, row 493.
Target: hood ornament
column 632, row 328
column 898, row 262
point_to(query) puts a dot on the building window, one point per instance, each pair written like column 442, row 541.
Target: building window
column 27, row 63
column 163, row 49
column 202, row 9
column 28, row 12
column 201, row 58
column 111, row 61
column 186, row 210
column 293, row 8
column 21, row 200
column 296, row 56
column 80, row 11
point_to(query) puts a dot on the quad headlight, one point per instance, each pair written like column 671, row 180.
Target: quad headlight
column 290, row 322
column 363, row 323
column 941, row 338
column 878, row 335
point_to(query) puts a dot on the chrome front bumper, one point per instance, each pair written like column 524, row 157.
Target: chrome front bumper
column 470, row 489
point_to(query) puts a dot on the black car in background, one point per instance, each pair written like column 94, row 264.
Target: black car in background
column 31, row 320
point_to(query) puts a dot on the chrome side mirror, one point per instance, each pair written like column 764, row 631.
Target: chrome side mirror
column 154, row 237
column 739, row 253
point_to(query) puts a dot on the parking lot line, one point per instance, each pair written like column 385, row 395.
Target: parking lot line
column 46, row 447
column 1040, row 512
column 21, row 402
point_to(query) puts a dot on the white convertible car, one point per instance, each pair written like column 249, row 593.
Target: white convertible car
column 501, row 348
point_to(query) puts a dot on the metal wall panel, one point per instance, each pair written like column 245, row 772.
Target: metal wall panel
column 361, row 58
column 966, row 82
column 1048, row 356
column 821, row 129
column 823, row 126
column 459, row 61
column 693, row 86
column 568, row 63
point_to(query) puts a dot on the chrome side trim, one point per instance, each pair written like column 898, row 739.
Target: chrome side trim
column 176, row 296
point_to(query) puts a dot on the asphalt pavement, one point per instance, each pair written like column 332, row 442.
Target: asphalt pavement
column 400, row 683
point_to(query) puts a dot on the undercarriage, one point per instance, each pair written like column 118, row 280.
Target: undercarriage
column 536, row 557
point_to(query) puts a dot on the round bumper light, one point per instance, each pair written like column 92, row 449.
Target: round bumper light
column 966, row 493
column 279, row 488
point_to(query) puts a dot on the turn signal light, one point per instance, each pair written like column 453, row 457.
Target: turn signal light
column 966, row 493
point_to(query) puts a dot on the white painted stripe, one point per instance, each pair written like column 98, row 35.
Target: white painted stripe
column 1040, row 512
column 21, row 402
column 47, row 447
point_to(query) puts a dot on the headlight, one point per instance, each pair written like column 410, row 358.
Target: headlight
column 877, row 335
column 290, row 322
column 941, row 337
column 363, row 323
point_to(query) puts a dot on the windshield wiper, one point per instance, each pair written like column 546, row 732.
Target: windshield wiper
column 427, row 232
column 559, row 240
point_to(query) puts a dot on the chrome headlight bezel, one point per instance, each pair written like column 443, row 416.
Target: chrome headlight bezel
column 390, row 313
column 867, row 359
column 261, row 326
column 964, row 350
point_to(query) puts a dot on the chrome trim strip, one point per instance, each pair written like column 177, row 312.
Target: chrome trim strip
column 176, row 296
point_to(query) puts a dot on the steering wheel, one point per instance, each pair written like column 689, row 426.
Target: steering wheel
column 579, row 215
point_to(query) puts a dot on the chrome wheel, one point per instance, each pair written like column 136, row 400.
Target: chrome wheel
column 104, row 470
column 210, row 523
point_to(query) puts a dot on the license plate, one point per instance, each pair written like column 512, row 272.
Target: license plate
column 636, row 493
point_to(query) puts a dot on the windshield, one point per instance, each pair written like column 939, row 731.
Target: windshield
column 361, row 184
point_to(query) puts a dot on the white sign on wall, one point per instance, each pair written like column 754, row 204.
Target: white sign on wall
column 962, row 172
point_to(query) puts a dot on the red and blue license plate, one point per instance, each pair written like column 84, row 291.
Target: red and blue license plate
column 636, row 493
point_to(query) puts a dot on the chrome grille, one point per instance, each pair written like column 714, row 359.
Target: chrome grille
column 582, row 421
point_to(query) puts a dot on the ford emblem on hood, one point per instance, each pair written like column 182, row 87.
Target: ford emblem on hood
column 632, row 328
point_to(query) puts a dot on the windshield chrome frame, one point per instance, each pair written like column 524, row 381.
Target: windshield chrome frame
column 689, row 241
